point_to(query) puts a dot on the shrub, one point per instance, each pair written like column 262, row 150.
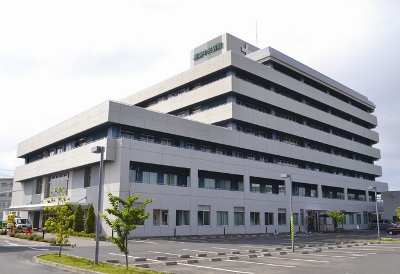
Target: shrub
column 78, row 219
column 90, row 220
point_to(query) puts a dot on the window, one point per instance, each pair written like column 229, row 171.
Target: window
column 220, row 151
column 181, row 114
column 209, row 183
column 254, row 218
column 250, row 131
column 344, row 220
column 56, row 181
column 282, row 190
column 295, row 218
column 127, row 134
column 281, row 216
column 160, row 217
column 87, row 177
column 238, row 216
column 196, row 109
column 222, row 218
column 170, row 179
column 147, row 138
column 351, row 219
column 39, row 182
column 203, row 215
column 166, row 141
column 225, row 185
column 60, row 149
column 358, row 216
column 182, row 217
column 149, row 177
column 365, row 217
column 190, row 146
column 301, row 216
column 251, row 157
column 205, row 149
column 269, row 218
column 255, row 188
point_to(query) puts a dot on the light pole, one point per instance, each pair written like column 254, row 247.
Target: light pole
column 99, row 149
column 289, row 176
column 376, row 208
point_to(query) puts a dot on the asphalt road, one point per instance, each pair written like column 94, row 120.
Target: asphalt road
column 315, row 253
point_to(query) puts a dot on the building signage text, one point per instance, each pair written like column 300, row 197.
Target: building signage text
column 210, row 50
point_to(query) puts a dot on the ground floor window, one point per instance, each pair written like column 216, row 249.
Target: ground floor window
column 301, row 216
column 281, row 216
column 203, row 218
column 365, row 217
column 182, row 217
column 269, row 218
column 358, row 216
column 295, row 218
column 222, row 218
column 238, row 216
column 160, row 217
column 254, row 218
column 351, row 219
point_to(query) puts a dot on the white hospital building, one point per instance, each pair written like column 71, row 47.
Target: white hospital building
column 211, row 144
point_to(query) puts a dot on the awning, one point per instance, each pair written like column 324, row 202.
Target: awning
column 40, row 207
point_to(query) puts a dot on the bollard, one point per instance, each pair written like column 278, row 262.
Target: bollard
column 266, row 230
column 43, row 233
column 224, row 231
column 174, row 232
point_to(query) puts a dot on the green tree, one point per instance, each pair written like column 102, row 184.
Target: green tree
column 78, row 219
column 337, row 217
column 90, row 224
column 60, row 222
column 126, row 217
column 398, row 212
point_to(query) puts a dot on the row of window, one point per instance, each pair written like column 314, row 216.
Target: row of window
column 6, row 185
column 4, row 204
column 161, row 217
column 182, row 217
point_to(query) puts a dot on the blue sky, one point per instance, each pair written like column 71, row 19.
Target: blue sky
column 60, row 58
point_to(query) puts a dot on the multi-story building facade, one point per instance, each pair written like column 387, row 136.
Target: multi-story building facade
column 210, row 145
column 6, row 185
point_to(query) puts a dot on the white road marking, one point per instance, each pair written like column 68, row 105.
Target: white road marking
column 331, row 256
column 294, row 259
column 146, row 242
column 158, row 252
column 227, row 248
column 214, row 268
column 349, row 252
column 40, row 249
column 247, row 262
column 213, row 252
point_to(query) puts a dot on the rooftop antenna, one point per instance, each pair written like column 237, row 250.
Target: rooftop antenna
column 256, row 35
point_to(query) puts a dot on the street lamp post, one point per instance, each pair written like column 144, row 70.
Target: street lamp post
column 99, row 149
column 288, row 176
column 376, row 208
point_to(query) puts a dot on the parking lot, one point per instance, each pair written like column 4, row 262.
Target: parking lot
column 328, row 253
column 350, row 253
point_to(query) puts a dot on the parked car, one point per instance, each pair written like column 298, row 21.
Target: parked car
column 383, row 224
column 393, row 230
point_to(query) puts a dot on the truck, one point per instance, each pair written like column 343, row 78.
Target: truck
column 18, row 224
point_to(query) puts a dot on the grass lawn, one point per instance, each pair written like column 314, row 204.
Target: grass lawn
column 89, row 264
